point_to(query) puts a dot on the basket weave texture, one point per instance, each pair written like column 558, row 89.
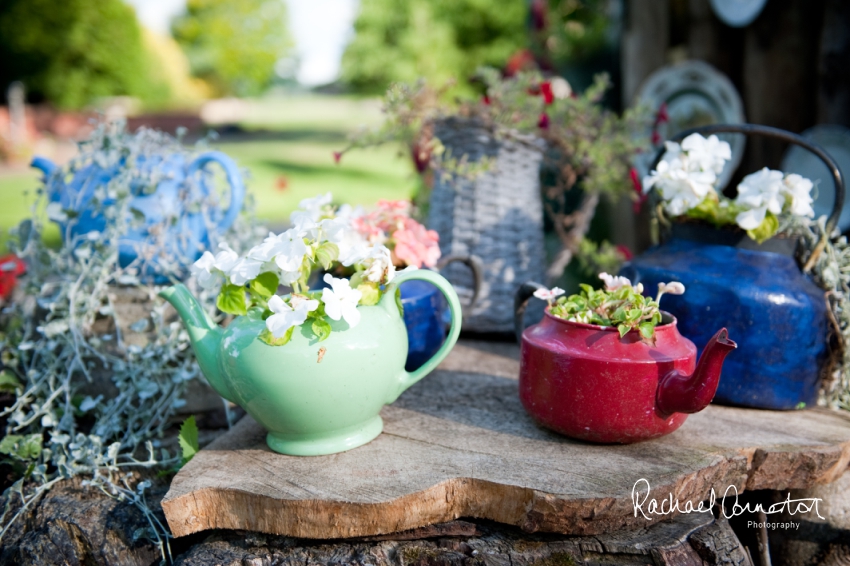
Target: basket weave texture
column 497, row 216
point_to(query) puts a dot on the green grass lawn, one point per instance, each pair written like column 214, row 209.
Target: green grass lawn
column 286, row 145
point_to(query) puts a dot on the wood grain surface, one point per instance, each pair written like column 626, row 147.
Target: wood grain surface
column 459, row 444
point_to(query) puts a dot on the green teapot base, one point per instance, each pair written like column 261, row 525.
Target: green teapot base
column 331, row 443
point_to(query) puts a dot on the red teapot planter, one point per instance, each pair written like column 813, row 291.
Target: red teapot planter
column 584, row 381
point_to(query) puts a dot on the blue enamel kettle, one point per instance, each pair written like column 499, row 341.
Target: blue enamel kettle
column 759, row 292
column 168, row 225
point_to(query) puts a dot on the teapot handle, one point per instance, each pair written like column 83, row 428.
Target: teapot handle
column 440, row 282
column 525, row 292
column 234, row 179
column 474, row 264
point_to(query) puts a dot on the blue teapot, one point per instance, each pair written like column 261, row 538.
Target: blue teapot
column 169, row 228
column 758, row 291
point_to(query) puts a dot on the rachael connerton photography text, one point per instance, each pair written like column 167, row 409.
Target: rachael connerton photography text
column 649, row 507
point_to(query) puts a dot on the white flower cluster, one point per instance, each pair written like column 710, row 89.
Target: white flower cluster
column 688, row 173
column 769, row 190
column 288, row 254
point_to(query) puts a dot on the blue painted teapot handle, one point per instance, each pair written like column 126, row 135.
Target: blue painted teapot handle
column 234, row 179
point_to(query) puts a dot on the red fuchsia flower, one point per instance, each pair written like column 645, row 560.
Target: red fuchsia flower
column 415, row 245
column 485, row 100
column 662, row 117
column 337, row 157
column 625, row 252
column 656, row 137
column 638, row 187
column 11, row 267
column 543, row 122
column 546, row 91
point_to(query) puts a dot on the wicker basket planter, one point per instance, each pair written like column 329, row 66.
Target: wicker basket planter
column 496, row 216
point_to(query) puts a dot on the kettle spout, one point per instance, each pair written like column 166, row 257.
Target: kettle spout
column 679, row 393
column 204, row 334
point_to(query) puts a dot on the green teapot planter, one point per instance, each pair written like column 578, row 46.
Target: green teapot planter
column 314, row 397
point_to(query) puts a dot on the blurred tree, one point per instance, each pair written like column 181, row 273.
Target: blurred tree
column 233, row 44
column 404, row 40
column 71, row 52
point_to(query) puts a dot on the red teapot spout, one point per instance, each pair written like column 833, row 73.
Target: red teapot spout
column 679, row 393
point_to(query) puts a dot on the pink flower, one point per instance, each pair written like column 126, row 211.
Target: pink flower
column 415, row 245
column 337, row 157
column 543, row 122
column 397, row 206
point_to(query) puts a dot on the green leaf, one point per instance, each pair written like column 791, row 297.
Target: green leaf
column 267, row 337
column 188, row 439
column 623, row 329
column 766, row 229
column 265, row 285
column 322, row 329
column 633, row 314
column 8, row 382
column 231, row 300
column 22, row 447
column 326, row 254
column 647, row 330
column 371, row 293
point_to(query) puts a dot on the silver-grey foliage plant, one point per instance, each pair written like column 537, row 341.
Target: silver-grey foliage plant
column 64, row 334
column 831, row 271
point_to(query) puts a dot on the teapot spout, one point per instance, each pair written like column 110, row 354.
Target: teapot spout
column 204, row 334
column 679, row 393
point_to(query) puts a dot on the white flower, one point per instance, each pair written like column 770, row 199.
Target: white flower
column 761, row 191
column 305, row 220
column 286, row 316
column 203, row 272
column 341, row 300
column 379, row 265
column 681, row 189
column 226, row 259
column 752, row 218
column 673, row 288
column 316, row 204
column 246, row 269
column 549, row 295
column 209, row 268
column 353, row 248
column 304, row 225
column 614, row 282
column 799, row 189
column 706, row 154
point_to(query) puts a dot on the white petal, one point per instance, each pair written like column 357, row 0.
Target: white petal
column 751, row 219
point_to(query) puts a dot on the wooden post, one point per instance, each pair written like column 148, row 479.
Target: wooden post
column 643, row 49
column 833, row 65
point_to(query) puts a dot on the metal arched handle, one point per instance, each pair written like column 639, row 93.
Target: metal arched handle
column 234, row 179
column 776, row 133
column 474, row 264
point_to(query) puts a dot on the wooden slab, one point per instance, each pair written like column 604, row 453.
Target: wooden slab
column 459, row 444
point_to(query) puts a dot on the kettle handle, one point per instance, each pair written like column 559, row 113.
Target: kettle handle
column 521, row 297
column 442, row 284
column 474, row 264
column 783, row 135
column 234, row 179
